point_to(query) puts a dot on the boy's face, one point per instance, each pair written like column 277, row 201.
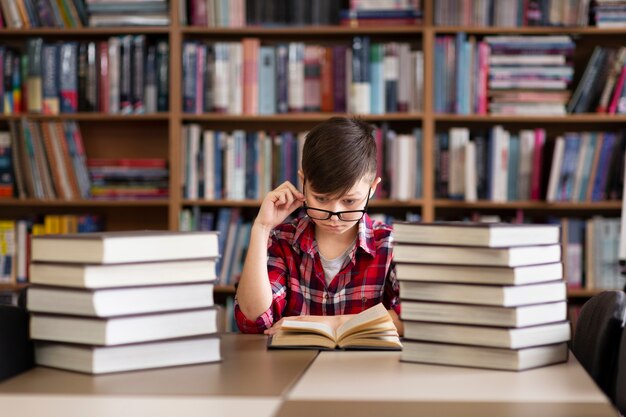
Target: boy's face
column 352, row 201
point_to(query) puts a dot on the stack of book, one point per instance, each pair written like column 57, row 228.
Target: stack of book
column 121, row 301
column 123, row 178
column 482, row 295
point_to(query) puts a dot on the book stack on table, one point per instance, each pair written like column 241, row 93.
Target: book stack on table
column 482, row 295
column 121, row 301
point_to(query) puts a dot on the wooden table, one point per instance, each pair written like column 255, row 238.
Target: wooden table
column 378, row 384
column 249, row 381
column 253, row 381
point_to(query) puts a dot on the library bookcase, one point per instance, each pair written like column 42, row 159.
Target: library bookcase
column 159, row 135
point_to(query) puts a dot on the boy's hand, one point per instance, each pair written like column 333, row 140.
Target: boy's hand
column 278, row 204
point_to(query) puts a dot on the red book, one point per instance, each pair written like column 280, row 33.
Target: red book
column 327, row 80
column 617, row 92
column 535, row 176
column 251, row 75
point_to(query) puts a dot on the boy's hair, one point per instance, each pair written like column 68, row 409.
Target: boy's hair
column 337, row 154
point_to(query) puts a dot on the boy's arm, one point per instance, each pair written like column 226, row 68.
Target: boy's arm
column 255, row 300
column 391, row 297
column 254, row 293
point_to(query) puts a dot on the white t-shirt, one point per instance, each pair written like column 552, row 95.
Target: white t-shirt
column 333, row 266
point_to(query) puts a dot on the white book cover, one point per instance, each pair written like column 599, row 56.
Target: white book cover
column 208, row 145
column 471, row 187
column 527, row 149
column 235, row 71
column 555, row 169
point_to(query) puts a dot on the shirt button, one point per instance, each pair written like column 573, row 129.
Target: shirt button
column 325, row 296
column 364, row 299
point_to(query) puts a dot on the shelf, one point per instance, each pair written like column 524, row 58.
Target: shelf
column 90, row 117
column 530, row 30
column 222, row 203
column 582, row 293
column 224, row 289
column 12, row 287
column 301, row 30
column 30, row 202
column 295, row 117
column 384, row 203
column 569, row 118
column 529, row 205
column 87, row 31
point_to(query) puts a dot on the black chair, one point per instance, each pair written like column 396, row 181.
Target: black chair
column 620, row 384
column 597, row 338
column 16, row 350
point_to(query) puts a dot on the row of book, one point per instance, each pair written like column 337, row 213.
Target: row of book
column 124, row 75
column 601, row 88
column 146, row 301
column 15, row 237
column 482, row 295
column 515, row 13
column 248, row 78
column 128, row 178
column 592, row 253
column 44, row 160
column 499, row 165
column 233, row 237
column 242, row 165
column 234, row 227
column 17, row 14
column 503, row 74
column 239, row 13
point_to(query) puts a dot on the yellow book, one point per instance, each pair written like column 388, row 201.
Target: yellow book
column 372, row 329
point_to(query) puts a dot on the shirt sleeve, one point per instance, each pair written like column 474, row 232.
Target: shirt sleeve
column 277, row 272
column 391, row 296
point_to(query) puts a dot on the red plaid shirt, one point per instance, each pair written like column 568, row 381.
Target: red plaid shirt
column 297, row 277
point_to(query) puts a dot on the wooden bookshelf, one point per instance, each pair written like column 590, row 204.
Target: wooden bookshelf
column 159, row 135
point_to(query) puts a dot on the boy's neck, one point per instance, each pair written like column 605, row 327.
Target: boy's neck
column 330, row 244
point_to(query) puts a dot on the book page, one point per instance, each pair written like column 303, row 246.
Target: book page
column 372, row 315
column 293, row 326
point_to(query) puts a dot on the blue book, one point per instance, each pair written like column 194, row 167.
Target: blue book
column 587, row 163
column 513, row 167
column 189, row 76
column 69, row 77
column 460, row 71
column 603, row 167
column 218, row 155
column 51, row 80
column 282, row 78
column 267, row 80
column 377, row 105
column 223, row 221
column 568, row 168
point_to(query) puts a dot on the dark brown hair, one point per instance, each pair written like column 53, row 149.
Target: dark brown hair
column 337, row 154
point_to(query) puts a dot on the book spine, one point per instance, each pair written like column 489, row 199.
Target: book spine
column 50, row 88
column 163, row 76
column 139, row 78
column 69, row 77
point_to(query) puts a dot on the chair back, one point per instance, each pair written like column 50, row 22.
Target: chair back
column 598, row 335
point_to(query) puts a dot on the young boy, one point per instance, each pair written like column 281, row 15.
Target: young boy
column 334, row 261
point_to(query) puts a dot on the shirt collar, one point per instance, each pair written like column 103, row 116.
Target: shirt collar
column 304, row 237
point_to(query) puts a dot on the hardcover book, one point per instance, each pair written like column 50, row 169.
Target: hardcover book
column 124, row 247
column 370, row 329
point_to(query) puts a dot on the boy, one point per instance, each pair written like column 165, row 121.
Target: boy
column 334, row 261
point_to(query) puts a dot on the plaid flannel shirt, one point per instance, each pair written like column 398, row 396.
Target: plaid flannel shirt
column 297, row 277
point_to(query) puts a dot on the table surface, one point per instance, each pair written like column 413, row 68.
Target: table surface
column 252, row 380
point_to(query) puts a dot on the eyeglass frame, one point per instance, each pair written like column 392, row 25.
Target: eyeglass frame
column 335, row 213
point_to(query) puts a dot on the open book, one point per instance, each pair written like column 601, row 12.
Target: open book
column 370, row 329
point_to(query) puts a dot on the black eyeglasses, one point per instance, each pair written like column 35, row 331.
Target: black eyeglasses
column 346, row 216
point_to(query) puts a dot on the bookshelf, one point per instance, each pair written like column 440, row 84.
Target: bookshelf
column 159, row 135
